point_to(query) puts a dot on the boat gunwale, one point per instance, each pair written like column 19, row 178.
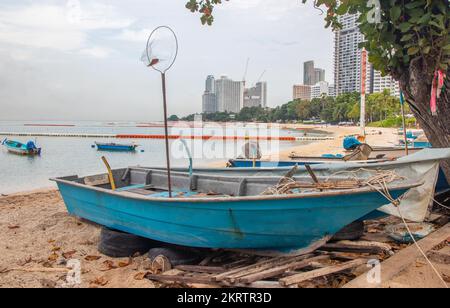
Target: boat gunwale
column 403, row 185
column 400, row 161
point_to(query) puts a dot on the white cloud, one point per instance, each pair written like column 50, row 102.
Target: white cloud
column 64, row 28
column 96, row 52
column 137, row 36
column 270, row 9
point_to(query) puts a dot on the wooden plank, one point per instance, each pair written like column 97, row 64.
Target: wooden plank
column 295, row 279
column 180, row 279
column 402, row 260
column 201, row 269
column 439, row 257
column 245, row 268
column 280, row 269
column 97, row 180
column 352, row 248
column 235, row 276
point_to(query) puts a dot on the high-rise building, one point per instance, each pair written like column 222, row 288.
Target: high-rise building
column 347, row 61
column 319, row 75
column 209, row 103
column 347, row 55
column 302, row 92
column 256, row 96
column 210, row 84
column 380, row 83
column 309, row 73
column 332, row 90
column 320, row 89
column 312, row 74
column 229, row 95
column 209, row 97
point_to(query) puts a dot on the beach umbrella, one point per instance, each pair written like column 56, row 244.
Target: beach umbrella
column 160, row 54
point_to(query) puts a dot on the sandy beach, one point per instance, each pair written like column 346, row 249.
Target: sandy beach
column 375, row 136
column 38, row 237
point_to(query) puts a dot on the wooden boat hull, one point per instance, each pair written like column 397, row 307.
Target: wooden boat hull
column 272, row 224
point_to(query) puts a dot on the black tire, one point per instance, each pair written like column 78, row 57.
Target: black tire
column 177, row 255
column 116, row 244
column 352, row 232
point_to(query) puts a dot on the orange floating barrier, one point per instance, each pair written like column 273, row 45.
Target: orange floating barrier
column 201, row 137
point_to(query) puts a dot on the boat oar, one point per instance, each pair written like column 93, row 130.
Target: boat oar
column 110, row 174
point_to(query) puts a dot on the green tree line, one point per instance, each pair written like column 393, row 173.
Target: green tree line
column 380, row 108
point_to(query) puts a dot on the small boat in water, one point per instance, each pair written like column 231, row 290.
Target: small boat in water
column 19, row 148
column 214, row 211
column 116, row 147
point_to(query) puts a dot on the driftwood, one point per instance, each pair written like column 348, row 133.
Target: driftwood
column 295, row 279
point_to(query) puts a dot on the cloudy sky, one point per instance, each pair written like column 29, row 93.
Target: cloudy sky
column 79, row 59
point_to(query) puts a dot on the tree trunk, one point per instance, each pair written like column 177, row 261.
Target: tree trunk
column 416, row 85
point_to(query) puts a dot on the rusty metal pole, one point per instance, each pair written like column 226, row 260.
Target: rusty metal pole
column 405, row 132
column 166, row 130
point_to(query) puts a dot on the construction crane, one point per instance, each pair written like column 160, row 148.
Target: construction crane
column 262, row 75
column 246, row 71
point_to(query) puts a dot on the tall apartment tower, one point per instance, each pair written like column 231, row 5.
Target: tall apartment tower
column 229, row 95
column 210, row 84
column 309, row 73
column 347, row 61
column 209, row 96
column 380, row 83
column 319, row 75
column 256, row 96
column 347, row 55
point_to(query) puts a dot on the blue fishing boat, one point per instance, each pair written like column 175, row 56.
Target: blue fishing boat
column 423, row 165
column 210, row 211
column 116, row 147
column 19, row 148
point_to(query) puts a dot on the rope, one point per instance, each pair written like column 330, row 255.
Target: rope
column 396, row 203
column 440, row 204
column 378, row 181
column 420, row 249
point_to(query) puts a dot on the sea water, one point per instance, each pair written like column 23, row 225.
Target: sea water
column 64, row 156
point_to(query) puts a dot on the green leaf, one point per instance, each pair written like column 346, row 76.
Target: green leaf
column 396, row 12
column 413, row 51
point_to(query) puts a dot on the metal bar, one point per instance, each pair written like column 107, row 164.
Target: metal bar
column 404, row 130
column 110, row 174
column 166, row 130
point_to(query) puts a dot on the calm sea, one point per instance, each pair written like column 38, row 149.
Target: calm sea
column 63, row 156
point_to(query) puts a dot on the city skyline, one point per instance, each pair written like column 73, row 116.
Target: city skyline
column 79, row 60
column 227, row 95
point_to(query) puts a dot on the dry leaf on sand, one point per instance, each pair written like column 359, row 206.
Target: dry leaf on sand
column 92, row 258
column 100, row 281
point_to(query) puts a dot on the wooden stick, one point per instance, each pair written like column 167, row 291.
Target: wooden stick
column 280, row 270
column 36, row 270
column 295, row 279
column 201, row 269
column 352, row 248
column 258, row 269
column 181, row 279
column 311, row 173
